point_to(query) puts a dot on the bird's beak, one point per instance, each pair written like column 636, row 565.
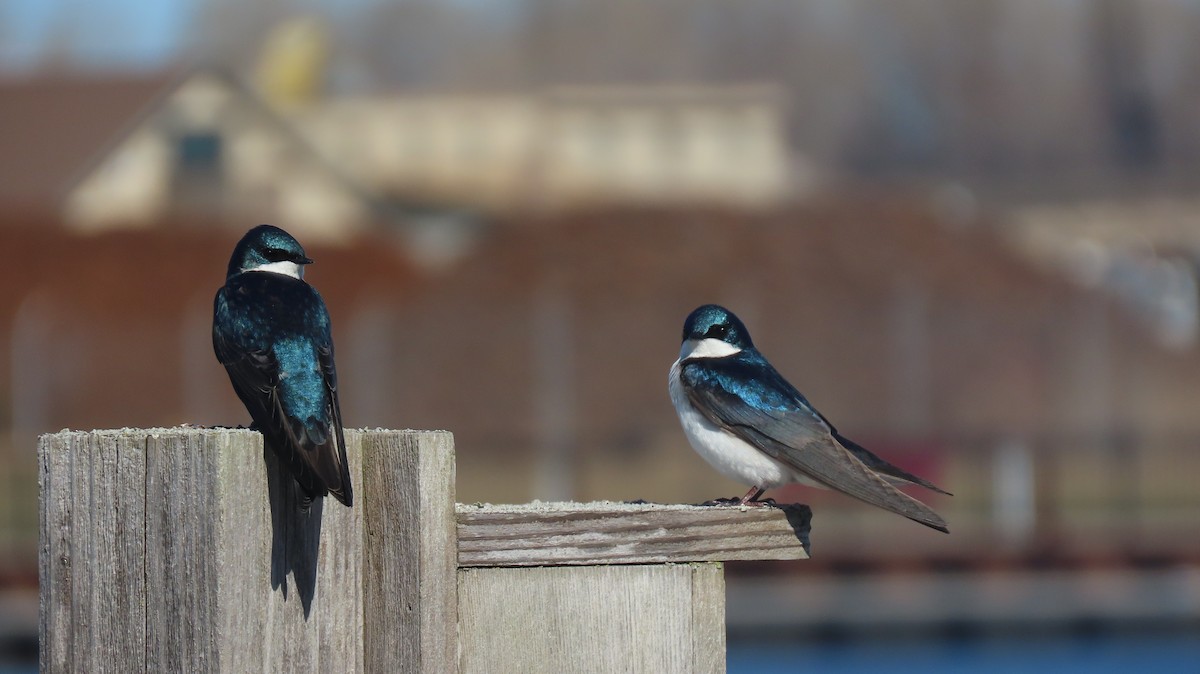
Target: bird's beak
column 305, row 261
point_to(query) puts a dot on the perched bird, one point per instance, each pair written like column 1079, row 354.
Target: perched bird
column 751, row 425
column 271, row 332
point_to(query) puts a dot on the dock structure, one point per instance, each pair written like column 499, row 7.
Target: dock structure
column 186, row 549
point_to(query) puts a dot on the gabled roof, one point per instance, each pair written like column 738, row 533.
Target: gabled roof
column 51, row 126
column 168, row 109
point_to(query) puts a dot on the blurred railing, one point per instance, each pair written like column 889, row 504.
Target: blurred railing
column 1051, row 500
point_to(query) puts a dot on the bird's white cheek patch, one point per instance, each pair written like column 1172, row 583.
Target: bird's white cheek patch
column 284, row 267
column 706, row 348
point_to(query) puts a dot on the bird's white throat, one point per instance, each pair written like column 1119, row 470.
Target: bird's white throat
column 285, row 267
column 706, row 348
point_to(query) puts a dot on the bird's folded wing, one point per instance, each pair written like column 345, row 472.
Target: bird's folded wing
column 334, row 467
column 315, row 452
column 758, row 406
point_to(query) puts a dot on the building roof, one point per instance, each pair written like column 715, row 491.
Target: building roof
column 53, row 126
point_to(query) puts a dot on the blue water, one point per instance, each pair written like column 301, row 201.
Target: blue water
column 1099, row 654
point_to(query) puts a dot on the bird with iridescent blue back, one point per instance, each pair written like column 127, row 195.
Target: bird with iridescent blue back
column 753, row 426
column 271, row 332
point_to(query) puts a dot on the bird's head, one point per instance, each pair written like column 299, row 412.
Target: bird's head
column 270, row 249
column 713, row 331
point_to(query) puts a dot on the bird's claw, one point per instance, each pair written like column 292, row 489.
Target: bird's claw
column 736, row 501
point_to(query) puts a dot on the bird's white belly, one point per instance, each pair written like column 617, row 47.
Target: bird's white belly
column 730, row 455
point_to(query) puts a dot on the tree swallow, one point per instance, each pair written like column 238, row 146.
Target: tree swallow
column 271, row 332
column 751, row 425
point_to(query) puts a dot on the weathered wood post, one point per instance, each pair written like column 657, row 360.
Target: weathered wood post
column 185, row 550
column 607, row 587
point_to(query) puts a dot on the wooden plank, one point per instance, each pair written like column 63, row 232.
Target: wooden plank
column 83, row 542
column 56, row 643
column 252, row 619
column 339, row 608
column 592, row 619
column 181, row 552
column 117, row 611
column 542, row 534
column 708, row 618
column 92, row 550
column 410, row 588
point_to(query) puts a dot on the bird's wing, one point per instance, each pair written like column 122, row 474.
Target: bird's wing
column 253, row 371
column 334, row 455
column 746, row 396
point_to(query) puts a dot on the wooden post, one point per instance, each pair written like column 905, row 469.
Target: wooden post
column 185, row 550
column 606, row 587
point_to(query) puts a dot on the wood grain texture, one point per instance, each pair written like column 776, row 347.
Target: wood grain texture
column 118, row 577
column 93, row 582
column 409, row 544
column 290, row 594
column 56, row 575
column 184, row 550
column 181, row 548
column 660, row 618
column 708, row 617
column 619, row 533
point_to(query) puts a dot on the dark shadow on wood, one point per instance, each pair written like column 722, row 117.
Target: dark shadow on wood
column 800, row 517
column 295, row 533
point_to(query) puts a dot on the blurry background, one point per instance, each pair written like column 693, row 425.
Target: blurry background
column 969, row 232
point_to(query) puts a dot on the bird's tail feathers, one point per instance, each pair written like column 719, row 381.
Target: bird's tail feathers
column 856, row 479
column 881, row 467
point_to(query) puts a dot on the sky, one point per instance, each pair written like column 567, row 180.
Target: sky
column 115, row 35
column 92, row 34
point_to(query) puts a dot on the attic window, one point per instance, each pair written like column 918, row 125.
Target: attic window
column 198, row 182
column 199, row 151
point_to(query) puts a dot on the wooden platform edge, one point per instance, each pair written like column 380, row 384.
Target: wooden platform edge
column 554, row 534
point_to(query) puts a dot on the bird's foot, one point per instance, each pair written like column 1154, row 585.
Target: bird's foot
column 751, row 497
column 735, row 501
column 749, row 500
column 763, row 503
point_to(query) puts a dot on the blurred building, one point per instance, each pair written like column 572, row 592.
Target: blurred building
column 1144, row 250
column 53, row 126
column 544, row 343
column 564, row 148
column 209, row 146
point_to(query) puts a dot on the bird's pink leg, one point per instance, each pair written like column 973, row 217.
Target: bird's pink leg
column 751, row 497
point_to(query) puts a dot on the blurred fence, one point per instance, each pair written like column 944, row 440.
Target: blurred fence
column 1050, row 500
column 1044, row 501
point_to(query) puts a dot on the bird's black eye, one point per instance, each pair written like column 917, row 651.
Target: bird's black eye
column 717, row 331
column 276, row 254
